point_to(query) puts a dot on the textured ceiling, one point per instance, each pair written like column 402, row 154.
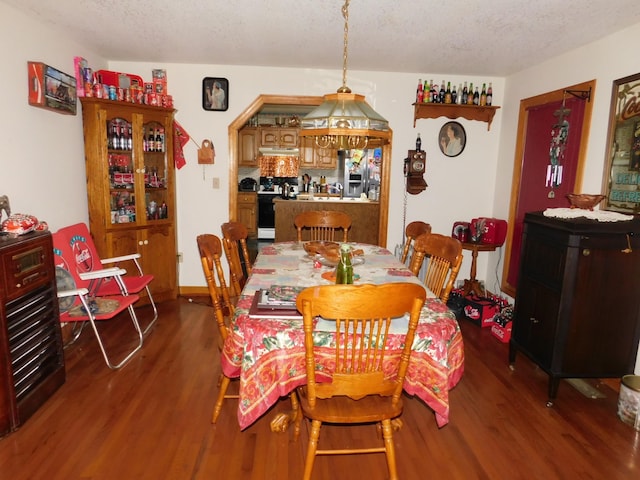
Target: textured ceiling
column 480, row 37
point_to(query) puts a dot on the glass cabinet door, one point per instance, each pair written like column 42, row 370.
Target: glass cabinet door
column 121, row 170
column 155, row 171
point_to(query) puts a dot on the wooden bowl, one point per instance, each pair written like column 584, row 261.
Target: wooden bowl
column 314, row 247
column 584, row 200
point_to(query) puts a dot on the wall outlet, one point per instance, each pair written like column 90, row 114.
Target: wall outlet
column 179, row 257
column 216, row 182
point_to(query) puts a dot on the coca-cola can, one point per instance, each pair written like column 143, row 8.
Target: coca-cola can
column 97, row 90
column 153, row 99
column 112, row 93
column 120, row 92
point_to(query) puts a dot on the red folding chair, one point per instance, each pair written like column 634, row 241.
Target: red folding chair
column 87, row 262
column 80, row 305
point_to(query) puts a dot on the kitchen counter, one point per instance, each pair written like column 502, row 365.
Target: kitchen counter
column 364, row 216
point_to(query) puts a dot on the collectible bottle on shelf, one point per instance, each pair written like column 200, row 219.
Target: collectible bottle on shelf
column 489, row 95
column 344, row 270
column 470, row 94
column 447, row 93
column 454, row 95
column 418, row 143
column 476, row 97
column 151, row 141
column 419, row 92
column 465, row 94
column 483, row 95
column 426, row 92
column 441, row 93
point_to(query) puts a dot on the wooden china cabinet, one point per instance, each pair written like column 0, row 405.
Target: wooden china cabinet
column 131, row 186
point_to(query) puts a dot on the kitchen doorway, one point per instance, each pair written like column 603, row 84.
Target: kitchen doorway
column 254, row 108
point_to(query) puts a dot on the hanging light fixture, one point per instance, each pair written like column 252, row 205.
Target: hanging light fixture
column 344, row 120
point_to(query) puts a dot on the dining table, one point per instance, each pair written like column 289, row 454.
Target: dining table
column 267, row 354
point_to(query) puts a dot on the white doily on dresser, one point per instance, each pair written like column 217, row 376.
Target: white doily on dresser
column 599, row 215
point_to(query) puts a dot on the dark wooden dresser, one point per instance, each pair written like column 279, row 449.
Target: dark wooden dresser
column 577, row 309
column 31, row 354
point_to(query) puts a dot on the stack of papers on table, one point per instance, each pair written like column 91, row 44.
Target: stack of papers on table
column 276, row 302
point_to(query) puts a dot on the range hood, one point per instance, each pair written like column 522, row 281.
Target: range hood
column 279, row 152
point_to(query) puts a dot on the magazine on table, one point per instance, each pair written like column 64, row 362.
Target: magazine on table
column 266, row 305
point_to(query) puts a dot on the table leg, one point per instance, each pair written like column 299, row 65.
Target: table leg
column 472, row 285
column 281, row 421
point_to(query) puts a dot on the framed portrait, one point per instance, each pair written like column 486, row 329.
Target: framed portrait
column 215, row 94
column 621, row 180
column 452, row 139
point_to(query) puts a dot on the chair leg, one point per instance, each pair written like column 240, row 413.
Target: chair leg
column 387, row 434
column 314, row 434
column 224, row 384
column 295, row 406
column 155, row 312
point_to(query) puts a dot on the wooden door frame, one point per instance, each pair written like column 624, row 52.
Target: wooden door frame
column 523, row 116
column 253, row 108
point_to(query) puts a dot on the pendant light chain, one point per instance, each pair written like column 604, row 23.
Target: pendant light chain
column 345, row 15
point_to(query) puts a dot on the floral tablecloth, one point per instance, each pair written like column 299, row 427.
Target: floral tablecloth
column 268, row 354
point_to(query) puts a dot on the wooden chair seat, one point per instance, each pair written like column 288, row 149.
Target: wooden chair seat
column 322, row 225
column 360, row 389
column 444, row 256
column 413, row 231
column 234, row 241
column 336, row 409
column 210, row 248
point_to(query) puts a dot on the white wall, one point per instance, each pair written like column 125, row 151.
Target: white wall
column 42, row 160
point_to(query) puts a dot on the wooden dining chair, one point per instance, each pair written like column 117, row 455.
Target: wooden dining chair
column 413, row 231
column 210, row 248
column 322, row 224
column 234, row 242
column 444, row 257
column 349, row 380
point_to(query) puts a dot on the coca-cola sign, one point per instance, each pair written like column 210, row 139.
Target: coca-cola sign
column 622, row 174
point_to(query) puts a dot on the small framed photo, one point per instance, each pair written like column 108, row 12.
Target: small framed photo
column 452, row 139
column 215, row 94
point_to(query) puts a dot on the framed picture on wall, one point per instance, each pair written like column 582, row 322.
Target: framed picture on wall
column 452, row 139
column 622, row 166
column 215, row 94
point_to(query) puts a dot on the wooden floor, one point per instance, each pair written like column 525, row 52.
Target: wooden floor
column 151, row 420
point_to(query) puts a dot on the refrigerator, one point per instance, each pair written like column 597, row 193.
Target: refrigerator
column 359, row 172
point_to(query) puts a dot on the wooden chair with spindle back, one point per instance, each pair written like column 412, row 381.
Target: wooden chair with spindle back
column 210, row 248
column 349, row 382
column 413, row 231
column 323, row 224
column 234, row 242
column 444, row 257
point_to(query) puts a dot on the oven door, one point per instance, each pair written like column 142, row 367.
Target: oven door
column 266, row 216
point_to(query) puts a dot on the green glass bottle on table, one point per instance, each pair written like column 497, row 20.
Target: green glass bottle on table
column 344, row 270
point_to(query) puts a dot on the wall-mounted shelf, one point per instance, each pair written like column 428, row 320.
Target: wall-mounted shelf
column 453, row 111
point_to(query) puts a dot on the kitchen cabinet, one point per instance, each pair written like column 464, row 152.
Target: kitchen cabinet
column 248, row 147
column 248, row 211
column 131, row 186
column 312, row 156
column 30, row 335
column 577, row 308
column 277, row 137
column 453, row 111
